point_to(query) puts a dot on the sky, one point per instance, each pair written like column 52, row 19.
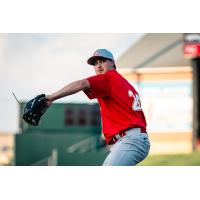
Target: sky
column 31, row 64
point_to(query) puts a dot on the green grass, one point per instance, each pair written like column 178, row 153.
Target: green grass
column 192, row 159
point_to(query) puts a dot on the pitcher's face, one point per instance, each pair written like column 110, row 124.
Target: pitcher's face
column 102, row 65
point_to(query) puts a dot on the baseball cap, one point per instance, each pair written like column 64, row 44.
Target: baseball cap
column 100, row 53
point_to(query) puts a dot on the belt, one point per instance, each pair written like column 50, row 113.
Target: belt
column 122, row 134
column 117, row 137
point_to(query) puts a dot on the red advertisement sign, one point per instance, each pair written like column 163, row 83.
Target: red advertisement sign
column 191, row 47
column 192, row 50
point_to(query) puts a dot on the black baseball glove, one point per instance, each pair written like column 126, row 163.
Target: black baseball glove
column 34, row 110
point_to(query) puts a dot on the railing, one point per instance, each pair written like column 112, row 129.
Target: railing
column 51, row 160
column 86, row 145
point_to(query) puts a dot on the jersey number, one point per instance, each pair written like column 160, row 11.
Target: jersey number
column 136, row 106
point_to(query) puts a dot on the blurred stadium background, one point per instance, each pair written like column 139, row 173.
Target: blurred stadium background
column 164, row 69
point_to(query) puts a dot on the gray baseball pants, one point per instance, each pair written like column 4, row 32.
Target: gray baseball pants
column 129, row 150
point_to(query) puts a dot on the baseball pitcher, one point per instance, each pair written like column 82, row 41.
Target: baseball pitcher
column 123, row 121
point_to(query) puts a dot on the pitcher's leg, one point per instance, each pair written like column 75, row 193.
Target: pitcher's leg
column 128, row 152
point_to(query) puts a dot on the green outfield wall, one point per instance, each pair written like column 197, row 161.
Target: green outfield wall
column 73, row 130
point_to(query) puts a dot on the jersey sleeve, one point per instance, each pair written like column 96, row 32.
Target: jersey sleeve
column 99, row 86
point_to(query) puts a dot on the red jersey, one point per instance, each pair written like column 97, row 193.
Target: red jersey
column 119, row 103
